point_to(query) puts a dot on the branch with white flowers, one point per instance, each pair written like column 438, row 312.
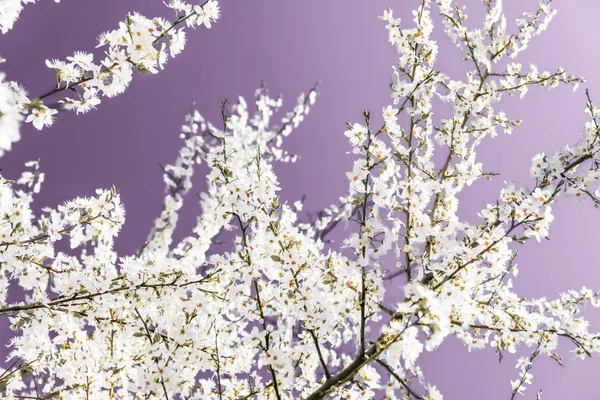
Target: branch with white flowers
column 138, row 44
column 282, row 313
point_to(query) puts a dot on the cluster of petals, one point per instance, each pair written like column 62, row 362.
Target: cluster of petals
column 139, row 44
column 280, row 312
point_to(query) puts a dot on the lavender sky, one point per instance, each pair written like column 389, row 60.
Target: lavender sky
column 290, row 44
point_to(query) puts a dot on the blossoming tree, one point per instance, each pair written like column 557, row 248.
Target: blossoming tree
column 280, row 314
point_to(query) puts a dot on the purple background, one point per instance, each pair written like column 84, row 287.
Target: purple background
column 290, row 45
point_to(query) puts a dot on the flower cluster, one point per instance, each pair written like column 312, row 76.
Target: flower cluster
column 281, row 313
column 138, row 44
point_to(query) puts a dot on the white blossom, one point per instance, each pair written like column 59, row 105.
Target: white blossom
column 280, row 312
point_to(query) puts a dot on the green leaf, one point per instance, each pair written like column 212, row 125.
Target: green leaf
column 19, row 324
column 143, row 69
